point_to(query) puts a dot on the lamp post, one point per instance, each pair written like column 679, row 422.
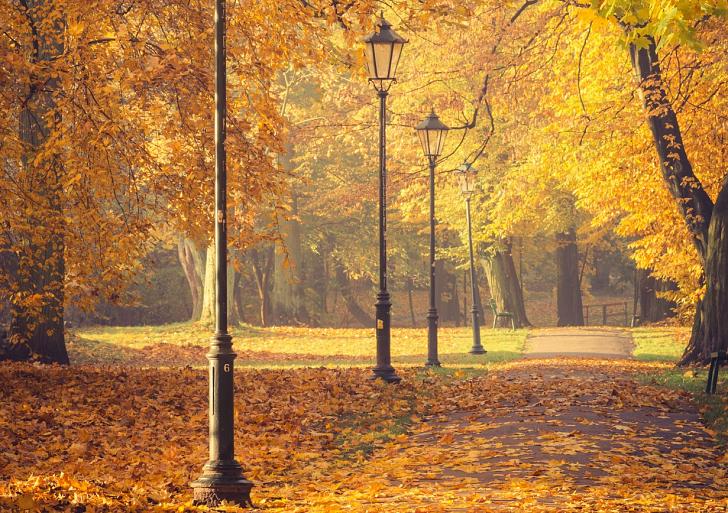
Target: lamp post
column 467, row 174
column 222, row 476
column 432, row 134
column 383, row 49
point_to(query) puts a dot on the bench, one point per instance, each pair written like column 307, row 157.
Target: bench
column 500, row 315
column 715, row 360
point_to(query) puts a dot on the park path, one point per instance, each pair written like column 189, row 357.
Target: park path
column 574, row 426
column 566, row 435
column 602, row 343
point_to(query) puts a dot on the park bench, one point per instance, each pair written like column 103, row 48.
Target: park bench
column 500, row 315
column 715, row 360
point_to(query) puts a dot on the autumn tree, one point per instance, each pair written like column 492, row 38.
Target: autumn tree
column 111, row 145
column 648, row 28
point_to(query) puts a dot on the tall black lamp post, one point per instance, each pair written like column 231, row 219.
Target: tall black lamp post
column 383, row 50
column 432, row 134
column 222, row 476
column 467, row 174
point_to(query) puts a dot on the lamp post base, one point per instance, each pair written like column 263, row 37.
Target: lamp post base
column 222, row 481
column 386, row 374
column 477, row 346
column 432, row 358
column 384, row 369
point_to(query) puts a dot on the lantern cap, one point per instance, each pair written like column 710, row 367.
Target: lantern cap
column 384, row 33
column 432, row 122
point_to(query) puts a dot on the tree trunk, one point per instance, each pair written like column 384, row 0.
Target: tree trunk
column 36, row 329
column 38, row 332
column 710, row 330
column 448, row 302
column 342, row 280
column 652, row 307
column 505, row 288
column 207, row 314
column 239, row 298
column 410, row 286
column 190, row 259
column 262, row 270
column 715, row 303
column 209, row 302
column 322, row 288
column 287, row 296
column 568, row 292
column 602, row 264
column 314, row 294
column 677, row 172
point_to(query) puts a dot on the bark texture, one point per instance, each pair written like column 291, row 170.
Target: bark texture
column 602, row 264
column 653, row 308
column 409, row 283
column 262, row 261
column 504, row 285
column 448, row 303
column 192, row 261
column 288, row 299
column 344, row 283
column 569, row 310
column 209, row 302
column 710, row 329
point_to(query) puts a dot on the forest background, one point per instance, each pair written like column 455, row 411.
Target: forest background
column 598, row 130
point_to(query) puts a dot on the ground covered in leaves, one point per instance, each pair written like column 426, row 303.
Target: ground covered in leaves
column 525, row 436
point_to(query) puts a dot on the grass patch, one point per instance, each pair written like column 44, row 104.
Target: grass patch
column 286, row 347
column 667, row 344
column 659, row 343
column 713, row 408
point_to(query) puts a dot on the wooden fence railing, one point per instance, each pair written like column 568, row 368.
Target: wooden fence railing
column 606, row 313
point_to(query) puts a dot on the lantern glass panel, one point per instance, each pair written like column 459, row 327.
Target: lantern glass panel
column 396, row 54
column 382, row 60
column 371, row 66
column 422, row 134
column 440, row 141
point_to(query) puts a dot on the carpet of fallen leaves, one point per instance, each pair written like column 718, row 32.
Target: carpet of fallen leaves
column 529, row 436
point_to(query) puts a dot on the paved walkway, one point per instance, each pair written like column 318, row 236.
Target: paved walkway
column 574, row 426
column 564, row 435
column 575, row 436
column 602, row 343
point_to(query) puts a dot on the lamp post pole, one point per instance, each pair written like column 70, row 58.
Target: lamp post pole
column 383, row 369
column 432, row 134
column 477, row 346
column 222, row 476
column 383, row 49
column 432, row 359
